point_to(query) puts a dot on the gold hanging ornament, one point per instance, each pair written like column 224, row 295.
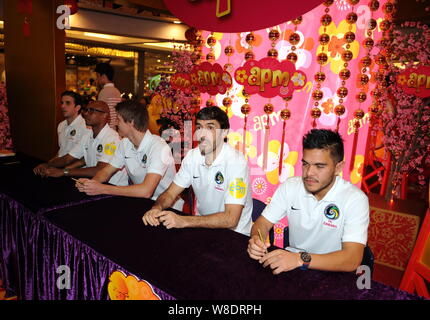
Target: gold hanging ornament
column 294, row 39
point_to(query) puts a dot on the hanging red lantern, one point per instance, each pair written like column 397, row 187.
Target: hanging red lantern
column 73, row 6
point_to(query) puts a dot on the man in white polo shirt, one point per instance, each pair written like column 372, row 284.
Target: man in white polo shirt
column 327, row 216
column 71, row 130
column 147, row 159
column 97, row 148
column 219, row 177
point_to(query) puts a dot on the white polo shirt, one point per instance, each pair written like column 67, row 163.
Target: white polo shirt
column 321, row 226
column 69, row 135
column 101, row 148
column 152, row 156
column 226, row 181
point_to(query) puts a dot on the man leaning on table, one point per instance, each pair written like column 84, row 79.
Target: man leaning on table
column 327, row 216
column 219, row 177
column 70, row 130
column 146, row 158
column 94, row 151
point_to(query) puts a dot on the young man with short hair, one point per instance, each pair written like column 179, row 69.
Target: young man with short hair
column 327, row 216
column 146, row 157
column 71, row 130
column 219, row 177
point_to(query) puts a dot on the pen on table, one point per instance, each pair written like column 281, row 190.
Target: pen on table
column 76, row 180
column 261, row 237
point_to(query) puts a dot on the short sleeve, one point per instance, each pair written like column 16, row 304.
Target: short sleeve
column 160, row 159
column 184, row 176
column 117, row 160
column 356, row 220
column 277, row 208
column 78, row 150
column 110, row 147
column 238, row 183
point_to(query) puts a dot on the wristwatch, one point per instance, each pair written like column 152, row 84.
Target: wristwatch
column 306, row 258
column 66, row 171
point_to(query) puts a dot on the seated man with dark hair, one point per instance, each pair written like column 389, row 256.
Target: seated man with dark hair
column 146, row 157
column 219, row 177
column 70, row 131
column 327, row 216
column 97, row 148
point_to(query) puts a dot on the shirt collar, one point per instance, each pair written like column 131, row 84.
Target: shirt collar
column 102, row 132
column 77, row 121
column 145, row 141
column 110, row 84
column 217, row 160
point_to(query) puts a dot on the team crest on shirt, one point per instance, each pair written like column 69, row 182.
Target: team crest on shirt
column 332, row 212
column 99, row 148
column 144, row 159
column 110, row 149
column 73, row 132
column 237, row 188
column 219, row 178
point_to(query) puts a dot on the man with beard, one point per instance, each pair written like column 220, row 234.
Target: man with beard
column 219, row 177
column 327, row 216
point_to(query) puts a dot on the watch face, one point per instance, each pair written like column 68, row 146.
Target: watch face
column 306, row 257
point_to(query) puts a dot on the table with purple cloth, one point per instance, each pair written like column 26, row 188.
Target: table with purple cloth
column 24, row 199
column 95, row 238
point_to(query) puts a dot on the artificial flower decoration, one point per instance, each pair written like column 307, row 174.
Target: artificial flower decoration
column 122, row 287
column 235, row 139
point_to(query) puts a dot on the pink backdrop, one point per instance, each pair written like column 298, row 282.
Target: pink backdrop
column 265, row 182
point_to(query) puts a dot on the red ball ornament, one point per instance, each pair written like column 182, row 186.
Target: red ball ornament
column 388, row 8
column 359, row 114
column 227, row 102
column 344, row 74
column 211, row 41
column 385, row 25
column 210, row 56
column 347, row 55
column 339, row 110
column 319, row 76
column 368, row 43
column 366, row 61
column 250, row 38
column 322, row 58
column 317, row 95
column 292, row 57
column 297, row 20
column 361, row 96
column 374, row 109
column 245, row 109
column 273, row 53
column 285, row 114
column 374, row 5
column 372, row 24
column 364, row 79
column 315, row 113
column 380, row 59
column 229, row 51
column 324, row 39
column 274, row 35
column 326, row 20
column 349, row 36
column 353, row 2
column 328, row 3
column 249, row 55
column 379, row 76
column 210, row 103
column 342, row 92
column 351, row 18
column 268, row 108
column 376, row 93
column 294, row 38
